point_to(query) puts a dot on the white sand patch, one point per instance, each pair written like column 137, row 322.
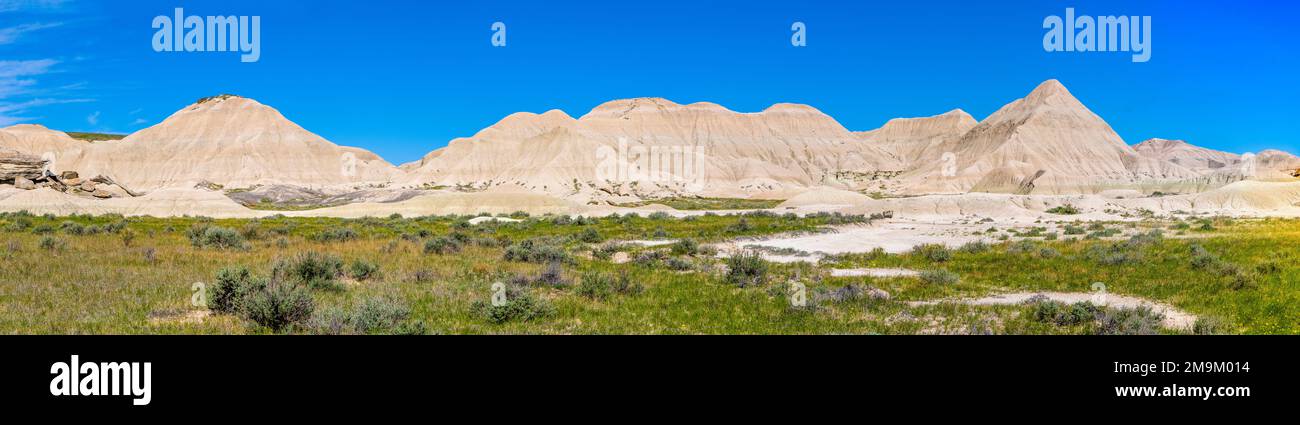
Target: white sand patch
column 868, row 272
column 893, row 236
column 1173, row 317
column 651, row 243
column 480, row 220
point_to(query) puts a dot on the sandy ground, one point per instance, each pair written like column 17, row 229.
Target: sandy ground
column 480, row 220
column 874, row 273
column 1174, row 318
column 894, row 236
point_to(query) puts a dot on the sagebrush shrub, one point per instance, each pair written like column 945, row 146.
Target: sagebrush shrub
column 939, row 277
column 537, row 251
column 933, row 252
column 442, row 245
column 600, row 286
column 686, row 246
column 362, row 269
column 519, row 305
column 338, row 234
column 278, row 305
column 746, row 269
column 311, row 269
column 232, row 285
column 207, row 236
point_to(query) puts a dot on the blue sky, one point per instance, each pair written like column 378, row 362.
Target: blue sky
column 402, row 78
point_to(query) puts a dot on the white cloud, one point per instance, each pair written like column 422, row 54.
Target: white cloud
column 12, row 34
column 32, row 5
column 25, row 68
column 10, row 111
column 139, row 121
column 93, row 119
column 17, row 81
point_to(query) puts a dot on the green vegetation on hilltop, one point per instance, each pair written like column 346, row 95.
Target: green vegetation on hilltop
column 95, row 137
column 697, row 204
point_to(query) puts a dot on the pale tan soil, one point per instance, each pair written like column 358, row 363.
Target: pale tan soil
column 1173, row 317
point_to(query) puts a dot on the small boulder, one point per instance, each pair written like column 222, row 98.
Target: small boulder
column 68, row 175
column 101, row 194
column 877, row 294
column 88, row 186
column 74, row 182
column 54, row 184
column 23, row 183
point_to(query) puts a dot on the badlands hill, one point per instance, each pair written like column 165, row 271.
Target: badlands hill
column 917, row 140
column 232, row 141
column 608, row 152
column 1046, row 142
column 37, row 140
column 1187, row 155
column 1027, row 155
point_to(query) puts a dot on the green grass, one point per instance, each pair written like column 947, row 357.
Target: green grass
column 95, row 137
column 687, row 204
column 95, row 283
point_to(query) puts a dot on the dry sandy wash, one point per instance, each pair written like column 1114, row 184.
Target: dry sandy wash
column 220, row 155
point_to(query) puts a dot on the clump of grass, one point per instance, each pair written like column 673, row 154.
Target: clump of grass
column 362, row 269
column 338, row 234
column 278, row 305
column 537, row 251
column 73, row 228
column 1202, row 258
column 939, row 277
column 650, row 258
column 208, row 236
column 934, row 252
column 1066, row 209
column 1114, row 254
column 1022, row 247
column 589, row 235
column 740, row 226
column 442, row 245
column 375, row 315
column 686, row 246
column 231, row 287
column 1141, row 320
column 311, row 269
column 1060, row 314
column 600, row 286
column 679, row 264
column 552, row 276
column 975, row 247
column 607, row 250
column 1268, row 267
column 50, row 243
column 519, row 305
column 1208, row 325
column 1237, row 279
column 746, row 268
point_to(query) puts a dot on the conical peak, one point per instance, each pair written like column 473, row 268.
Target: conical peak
column 1050, row 92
